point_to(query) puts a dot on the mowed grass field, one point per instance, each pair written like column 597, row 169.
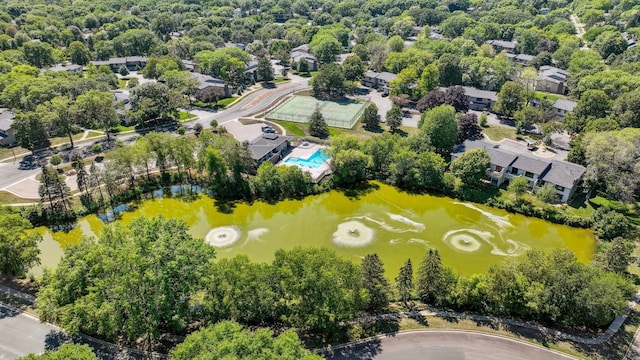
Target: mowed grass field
column 342, row 114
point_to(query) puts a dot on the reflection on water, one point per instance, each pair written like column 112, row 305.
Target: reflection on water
column 396, row 225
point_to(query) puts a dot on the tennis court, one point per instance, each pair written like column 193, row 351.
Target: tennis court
column 342, row 114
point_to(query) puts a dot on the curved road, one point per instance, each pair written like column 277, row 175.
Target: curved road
column 21, row 334
column 444, row 345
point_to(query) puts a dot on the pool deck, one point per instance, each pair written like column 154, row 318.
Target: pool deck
column 304, row 153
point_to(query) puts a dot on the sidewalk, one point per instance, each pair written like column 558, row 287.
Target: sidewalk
column 613, row 327
column 28, row 188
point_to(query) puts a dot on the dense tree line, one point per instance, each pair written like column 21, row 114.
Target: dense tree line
column 215, row 160
column 137, row 282
column 414, row 163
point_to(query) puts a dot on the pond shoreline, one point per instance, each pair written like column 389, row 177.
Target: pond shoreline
column 386, row 220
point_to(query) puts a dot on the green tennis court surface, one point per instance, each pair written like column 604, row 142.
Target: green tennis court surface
column 341, row 114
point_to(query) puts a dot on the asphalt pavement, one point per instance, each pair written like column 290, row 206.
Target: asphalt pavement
column 445, row 345
column 22, row 334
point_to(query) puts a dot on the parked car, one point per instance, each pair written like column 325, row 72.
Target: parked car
column 268, row 129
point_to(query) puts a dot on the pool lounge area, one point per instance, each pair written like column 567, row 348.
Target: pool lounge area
column 310, row 158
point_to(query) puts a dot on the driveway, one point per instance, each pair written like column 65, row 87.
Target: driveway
column 445, row 345
column 243, row 132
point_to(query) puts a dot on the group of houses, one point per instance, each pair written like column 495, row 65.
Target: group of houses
column 550, row 78
column 510, row 160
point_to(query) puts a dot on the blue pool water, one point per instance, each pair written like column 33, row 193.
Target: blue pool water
column 314, row 161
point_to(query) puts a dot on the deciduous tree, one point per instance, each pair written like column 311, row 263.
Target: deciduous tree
column 394, row 118
column 227, row 340
column 19, row 249
column 471, row 166
column 440, row 125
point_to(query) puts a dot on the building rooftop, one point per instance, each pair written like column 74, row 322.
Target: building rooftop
column 6, row 119
column 503, row 44
column 563, row 173
column 386, row 76
column 62, row 67
column 480, row 94
column 207, row 80
column 549, row 170
column 566, row 105
column 552, row 74
column 265, row 143
column 303, row 48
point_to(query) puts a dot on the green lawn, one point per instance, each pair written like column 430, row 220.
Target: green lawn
column 292, row 128
column 227, row 101
column 185, row 116
column 8, row 198
column 122, row 83
column 279, row 80
column 497, row 133
column 549, row 96
column 65, row 139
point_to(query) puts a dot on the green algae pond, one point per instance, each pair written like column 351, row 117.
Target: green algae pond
column 384, row 220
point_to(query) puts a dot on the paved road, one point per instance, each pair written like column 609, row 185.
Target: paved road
column 21, row 334
column 446, row 345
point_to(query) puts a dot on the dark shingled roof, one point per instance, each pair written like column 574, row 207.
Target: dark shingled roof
column 6, row 119
column 498, row 156
column 563, row 173
column 265, row 143
column 531, row 164
column 552, row 171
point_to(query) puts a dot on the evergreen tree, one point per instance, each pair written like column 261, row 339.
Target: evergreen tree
column 371, row 118
column 82, row 177
column 317, row 126
column 54, row 194
column 432, row 279
column 265, row 71
column 394, row 118
column 376, row 284
column 404, row 282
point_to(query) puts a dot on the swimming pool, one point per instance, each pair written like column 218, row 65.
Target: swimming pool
column 314, row 161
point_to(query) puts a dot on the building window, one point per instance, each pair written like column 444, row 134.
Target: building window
column 559, row 188
column 514, row 171
column 528, row 174
column 498, row 168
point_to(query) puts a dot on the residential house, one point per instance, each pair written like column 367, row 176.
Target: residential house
column 552, row 79
column 207, row 81
column 559, row 108
column 415, row 31
column 502, row 45
column 240, row 46
column 73, row 69
column 269, row 147
column 520, row 59
column 562, row 107
column 252, row 71
column 189, row 65
column 123, row 105
column 378, row 80
column 303, row 53
column 509, row 161
column 7, row 134
column 132, row 63
column 480, row 100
